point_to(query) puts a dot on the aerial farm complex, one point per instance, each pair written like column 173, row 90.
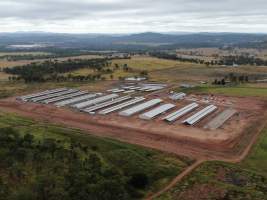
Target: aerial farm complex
column 127, row 106
column 150, row 114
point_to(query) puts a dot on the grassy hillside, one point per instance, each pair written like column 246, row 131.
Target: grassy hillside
column 41, row 161
column 257, row 159
column 218, row 180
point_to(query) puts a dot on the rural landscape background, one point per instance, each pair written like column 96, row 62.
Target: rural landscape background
column 62, row 152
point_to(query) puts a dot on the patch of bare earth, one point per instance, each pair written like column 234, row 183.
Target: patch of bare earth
column 177, row 138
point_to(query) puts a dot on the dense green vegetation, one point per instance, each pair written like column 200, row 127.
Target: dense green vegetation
column 41, row 161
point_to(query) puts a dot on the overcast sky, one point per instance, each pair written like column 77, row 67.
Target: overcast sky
column 128, row 16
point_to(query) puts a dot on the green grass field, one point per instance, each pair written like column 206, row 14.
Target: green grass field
column 128, row 159
column 257, row 159
column 239, row 90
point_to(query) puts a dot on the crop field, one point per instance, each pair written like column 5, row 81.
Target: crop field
column 128, row 159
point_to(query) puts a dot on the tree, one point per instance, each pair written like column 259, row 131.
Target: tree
column 139, row 180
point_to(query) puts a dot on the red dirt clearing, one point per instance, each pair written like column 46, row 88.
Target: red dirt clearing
column 194, row 142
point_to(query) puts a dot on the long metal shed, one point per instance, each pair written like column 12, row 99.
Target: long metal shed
column 94, row 101
column 220, row 119
column 50, row 96
column 157, row 111
column 200, row 115
column 75, row 100
column 106, row 104
column 30, row 96
column 179, row 113
column 121, row 106
column 140, row 107
column 64, row 97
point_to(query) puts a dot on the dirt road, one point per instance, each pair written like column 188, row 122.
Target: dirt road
column 178, row 178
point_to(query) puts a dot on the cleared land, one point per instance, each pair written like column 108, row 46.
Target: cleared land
column 226, row 142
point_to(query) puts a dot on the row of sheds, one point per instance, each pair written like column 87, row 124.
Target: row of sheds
column 162, row 109
column 90, row 103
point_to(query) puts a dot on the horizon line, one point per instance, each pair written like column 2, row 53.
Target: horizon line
column 131, row 33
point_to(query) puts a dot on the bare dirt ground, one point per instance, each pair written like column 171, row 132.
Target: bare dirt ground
column 176, row 138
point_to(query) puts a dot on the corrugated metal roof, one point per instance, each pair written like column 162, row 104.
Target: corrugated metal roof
column 50, row 96
column 94, row 101
column 140, row 107
column 157, row 111
column 121, row 106
column 183, row 111
column 105, row 104
column 200, row 115
column 30, row 96
column 75, row 100
column 60, row 98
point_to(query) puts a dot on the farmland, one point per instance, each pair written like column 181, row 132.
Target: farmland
column 114, row 139
column 158, row 69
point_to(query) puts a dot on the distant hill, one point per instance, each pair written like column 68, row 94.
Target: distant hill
column 148, row 40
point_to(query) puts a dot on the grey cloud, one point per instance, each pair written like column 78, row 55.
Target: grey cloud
column 134, row 15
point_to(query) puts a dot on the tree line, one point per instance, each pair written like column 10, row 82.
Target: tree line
column 168, row 56
column 50, row 70
column 242, row 60
column 225, row 60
